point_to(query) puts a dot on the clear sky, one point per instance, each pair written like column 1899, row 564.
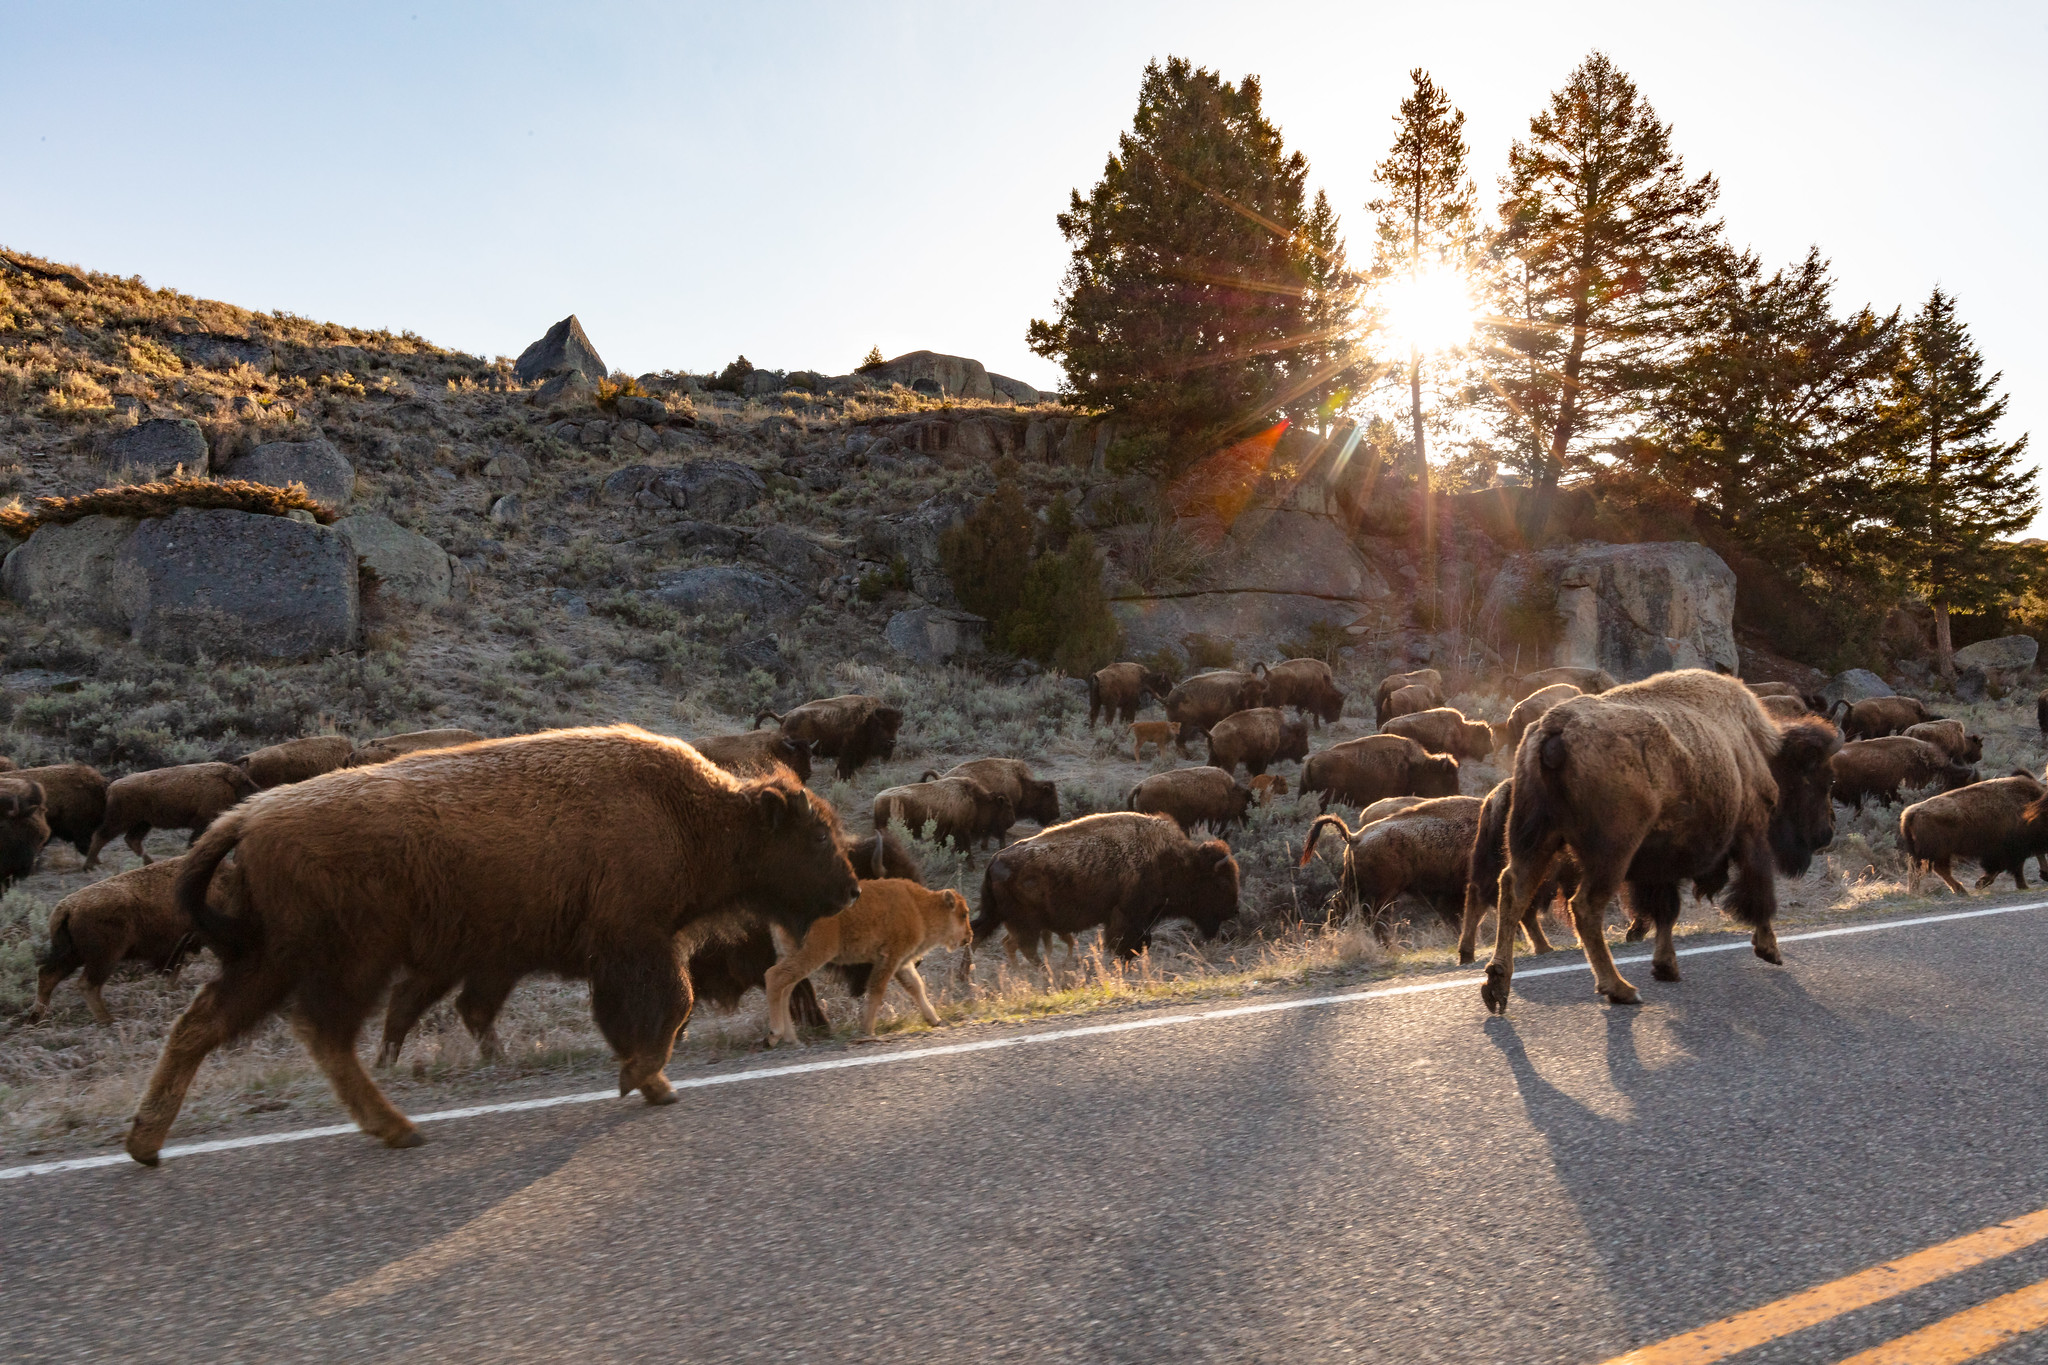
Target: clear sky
column 801, row 181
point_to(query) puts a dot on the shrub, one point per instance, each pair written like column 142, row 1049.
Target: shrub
column 1063, row 616
column 1324, row 641
column 879, row 583
column 610, row 391
column 1206, row 651
column 987, row 556
column 872, row 360
column 733, row 378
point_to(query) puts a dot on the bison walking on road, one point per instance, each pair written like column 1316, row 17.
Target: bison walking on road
column 888, row 931
column 1425, row 851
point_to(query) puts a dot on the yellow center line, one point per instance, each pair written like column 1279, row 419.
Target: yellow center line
column 1728, row 1337
column 1968, row 1334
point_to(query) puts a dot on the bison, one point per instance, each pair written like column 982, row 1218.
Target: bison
column 1425, row 850
column 1410, row 700
column 1266, row 786
column 188, row 797
column 1444, row 730
column 888, row 930
column 1997, row 824
column 1257, row 738
column 387, row 747
column 1878, row 768
column 1159, row 734
column 1307, row 685
column 1530, row 709
column 1031, row 797
column 1193, row 796
column 1359, row 772
column 1394, row 682
column 1877, row 717
column 1782, row 708
column 1949, row 734
column 295, row 760
column 852, row 729
column 1591, row 681
column 129, row 917
column 1482, row 882
column 1679, row 777
column 583, row 853
column 955, row 808
column 1119, row 690
column 74, row 800
column 1126, row 872
column 24, row 827
column 1207, row 698
column 758, row 753
column 2041, row 713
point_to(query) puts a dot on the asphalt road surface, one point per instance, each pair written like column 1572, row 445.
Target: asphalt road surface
column 1392, row 1179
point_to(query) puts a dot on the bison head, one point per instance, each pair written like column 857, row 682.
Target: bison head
column 1973, row 749
column 1157, row 683
column 1041, row 802
column 997, row 814
column 1253, row 696
column 1293, row 740
column 20, row 798
column 800, row 868
column 882, row 724
column 1433, row 775
column 795, row 754
column 1804, row 822
column 1212, row 892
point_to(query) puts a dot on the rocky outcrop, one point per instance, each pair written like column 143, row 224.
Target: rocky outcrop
column 565, row 347
column 1016, row 390
column 932, row 635
column 325, row 472
column 950, row 376
column 1853, row 685
column 237, row 585
column 68, row 570
column 159, row 446
column 710, row 490
column 409, row 567
column 727, row 590
column 2007, row 655
column 1633, row 610
column 914, row 536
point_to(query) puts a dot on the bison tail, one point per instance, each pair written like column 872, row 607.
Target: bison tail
column 229, row 936
column 62, row 954
column 1315, row 831
column 989, row 917
column 760, row 716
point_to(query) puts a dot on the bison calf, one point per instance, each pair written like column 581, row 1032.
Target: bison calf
column 1157, row 733
column 189, row 797
column 891, row 927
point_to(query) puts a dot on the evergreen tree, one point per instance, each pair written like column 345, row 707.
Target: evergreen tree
column 1610, row 243
column 1953, row 490
column 1186, row 308
column 1329, row 361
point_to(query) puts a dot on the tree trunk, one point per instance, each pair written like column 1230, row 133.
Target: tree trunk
column 1944, row 644
column 1536, row 519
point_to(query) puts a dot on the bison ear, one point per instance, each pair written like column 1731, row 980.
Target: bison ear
column 773, row 804
column 1213, row 854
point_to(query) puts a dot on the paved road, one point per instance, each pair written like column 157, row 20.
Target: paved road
column 1401, row 1179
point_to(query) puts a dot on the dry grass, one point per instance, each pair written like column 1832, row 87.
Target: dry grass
column 160, row 499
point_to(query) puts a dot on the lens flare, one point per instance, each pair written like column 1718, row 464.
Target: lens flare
column 1431, row 310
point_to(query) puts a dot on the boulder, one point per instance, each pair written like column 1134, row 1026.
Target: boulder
column 652, row 411
column 238, row 585
column 709, row 489
column 950, row 376
column 1852, row 685
column 763, row 652
column 509, row 510
column 508, row 465
column 409, row 567
column 760, row 383
column 565, row 347
column 915, row 536
column 2007, row 655
column 68, row 570
column 795, row 555
column 1016, row 390
column 1633, row 610
column 691, row 537
column 565, row 391
column 213, row 352
column 932, row 635
column 159, row 446
column 727, row 590
column 325, row 472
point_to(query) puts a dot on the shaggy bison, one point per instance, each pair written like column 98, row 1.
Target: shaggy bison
column 1359, row 772
column 1410, row 700
column 24, row 828
column 1425, row 850
column 1207, row 698
column 1031, row 797
column 1997, row 825
column 74, row 800
column 758, row 753
column 1193, row 796
column 130, row 917
column 1444, row 730
column 189, row 797
column 851, row 729
column 1866, row 769
column 955, row 808
column 1530, row 709
column 1680, row 777
column 888, row 930
column 1307, row 685
column 295, row 760
column 1591, row 681
column 384, row 748
column 1482, row 883
column 581, row 852
column 1394, row 682
column 1950, row 736
column 1880, row 716
column 1119, row 690
column 1128, row 873
column 1257, row 738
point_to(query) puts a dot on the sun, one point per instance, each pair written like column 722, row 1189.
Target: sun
column 1431, row 311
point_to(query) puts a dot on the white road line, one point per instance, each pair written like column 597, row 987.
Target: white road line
column 86, row 1163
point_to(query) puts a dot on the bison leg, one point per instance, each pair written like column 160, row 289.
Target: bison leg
column 909, row 980
column 1532, row 925
column 1598, row 883
column 53, row 973
column 225, row 1008
column 819, row 947
column 134, row 841
column 640, row 997
column 1946, row 871
column 1519, row 882
column 478, row 1006
column 96, row 974
column 411, row 997
column 1657, row 906
column 878, row 987
column 100, row 839
column 1753, row 898
column 329, row 1029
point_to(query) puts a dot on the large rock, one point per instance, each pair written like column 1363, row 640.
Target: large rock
column 409, row 567
column 238, row 585
column 915, row 536
column 159, row 446
column 1633, row 610
column 1016, row 390
column 565, row 347
column 710, row 490
column 932, row 635
column 795, row 555
column 1259, row 624
column 325, row 471
column 726, row 590
column 1853, row 685
column 68, row 570
column 2008, row 654
column 950, row 375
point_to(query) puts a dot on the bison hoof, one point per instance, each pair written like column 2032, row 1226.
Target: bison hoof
column 1665, row 971
column 1769, row 953
column 1465, row 956
column 146, row 1155
column 1621, row 993
column 409, row 1137
column 863, row 1040
column 1495, row 990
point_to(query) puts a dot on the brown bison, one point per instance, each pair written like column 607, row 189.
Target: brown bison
column 74, row 800
column 1591, row 681
column 1266, row 786
column 1207, row 698
column 1678, row 778
column 1783, row 708
column 1307, row 685
column 1530, row 709
column 1880, row 716
column 129, row 917
column 384, row 748
column 955, row 808
column 1257, row 738
column 295, row 760
column 1482, row 883
column 1877, row 768
column 188, row 797
column 1444, row 730
column 1425, row 850
column 852, row 729
column 6, row 765
column 757, row 753
column 1119, row 690
column 1949, row 734
column 24, row 828
column 1128, row 873
column 1410, row 700
column 1359, row 772
column 888, row 930
column 1193, row 796
column 1394, row 682
column 1997, row 825
column 1031, row 797
column 1159, row 734
column 582, row 853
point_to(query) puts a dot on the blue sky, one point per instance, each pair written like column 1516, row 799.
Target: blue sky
column 798, row 181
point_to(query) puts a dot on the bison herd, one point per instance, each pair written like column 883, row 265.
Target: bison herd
column 329, row 877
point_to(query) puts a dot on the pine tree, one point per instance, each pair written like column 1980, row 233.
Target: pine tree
column 1185, row 310
column 1953, row 490
column 1610, row 243
column 1329, row 357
